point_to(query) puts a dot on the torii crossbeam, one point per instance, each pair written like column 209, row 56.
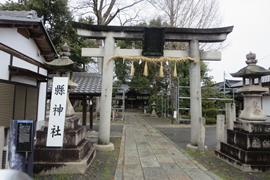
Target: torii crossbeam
column 112, row 33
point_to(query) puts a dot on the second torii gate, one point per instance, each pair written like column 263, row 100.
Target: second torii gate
column 112, row 33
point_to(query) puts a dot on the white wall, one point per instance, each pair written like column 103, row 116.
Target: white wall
column 11, row 38
column 5, row 60
column 43, row 71
column 41, row 105
column 266, row 106
column 23, row 64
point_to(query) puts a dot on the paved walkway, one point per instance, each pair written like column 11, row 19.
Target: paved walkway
column 146, row 154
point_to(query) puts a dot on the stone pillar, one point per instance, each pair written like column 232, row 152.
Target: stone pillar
column 219, row 130
column 195, row 92
column 106, row 98
column 201, row 143
column 230, row 115
column 16, row 159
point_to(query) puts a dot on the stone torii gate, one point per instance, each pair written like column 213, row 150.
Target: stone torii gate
column 112, row 33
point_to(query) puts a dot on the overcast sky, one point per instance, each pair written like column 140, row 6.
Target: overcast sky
column 251, row 32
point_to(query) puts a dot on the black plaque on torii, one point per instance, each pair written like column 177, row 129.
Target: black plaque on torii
column 153, row 41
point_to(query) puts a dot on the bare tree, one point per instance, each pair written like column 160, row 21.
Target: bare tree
column 189, row 13
column 104, row 10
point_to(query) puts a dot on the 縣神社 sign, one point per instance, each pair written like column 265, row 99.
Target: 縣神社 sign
column 57, row 112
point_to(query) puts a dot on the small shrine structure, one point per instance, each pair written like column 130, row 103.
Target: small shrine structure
column 76, row 153
column 248, row 143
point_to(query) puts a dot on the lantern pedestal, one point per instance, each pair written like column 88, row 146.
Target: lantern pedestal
column 75, row 156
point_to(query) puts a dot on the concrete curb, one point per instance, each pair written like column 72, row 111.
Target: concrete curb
column 119, row 169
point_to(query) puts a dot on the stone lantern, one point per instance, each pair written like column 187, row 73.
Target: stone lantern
column 154, row 114
column 64, row 65
column 248, row 143
column 252, row 89
column 77, row 152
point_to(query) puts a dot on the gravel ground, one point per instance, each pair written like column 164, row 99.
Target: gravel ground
column 102, row 168
column 223, row 170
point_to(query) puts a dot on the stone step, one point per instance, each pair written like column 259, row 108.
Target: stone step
column 70, row 122
column 251, row 142
column 62, row 154
column 241, row 166
column 247, row 157
column 47, row 168
column 253, row 128
column 72, row 137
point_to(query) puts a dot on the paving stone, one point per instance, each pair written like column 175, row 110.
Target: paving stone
column 150, row 161
column 184, row 163
column 171, row 168
column 177, row 156
column 161, row 139
column 163, row 156
column 130, row 145
column 145, row 153
column 140, row 140
column 131, row 152
column 179, row 177
column 143, row 145
column 155, row 145
column 150, row 138
column 132, row 170
column 195, row 173
column 132, row 160
column 154, row 173
column 133, row 178
column 155, row 134
column 173, row 149
column 166, row 145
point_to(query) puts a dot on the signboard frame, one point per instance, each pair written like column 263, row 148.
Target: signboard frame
column 24, row 136
column 153, row 41
column 57, row 116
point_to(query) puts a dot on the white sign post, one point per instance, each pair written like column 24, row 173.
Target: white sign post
column 174, row 114
column 57, row 112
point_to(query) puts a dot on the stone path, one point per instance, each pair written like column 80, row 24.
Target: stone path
column 147, row 154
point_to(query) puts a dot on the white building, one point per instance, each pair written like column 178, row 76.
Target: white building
column 24, row 47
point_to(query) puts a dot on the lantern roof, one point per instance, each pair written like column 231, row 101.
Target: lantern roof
column 251, row 70
column 63, row 63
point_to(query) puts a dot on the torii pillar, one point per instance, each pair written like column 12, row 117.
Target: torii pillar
column 112, row 33
column 195, row 92
column 106, row 97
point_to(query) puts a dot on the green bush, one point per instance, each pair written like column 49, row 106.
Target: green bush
column 210, row 120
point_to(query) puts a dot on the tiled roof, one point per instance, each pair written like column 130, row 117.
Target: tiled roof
column 265, row 79
column 124, row 87
column 88, row 83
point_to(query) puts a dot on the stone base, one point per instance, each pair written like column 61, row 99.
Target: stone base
column 63, row 154
column 241, row 166
column 108, row 147
column 247, row 147
column 47, row 168
column 194, row 148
